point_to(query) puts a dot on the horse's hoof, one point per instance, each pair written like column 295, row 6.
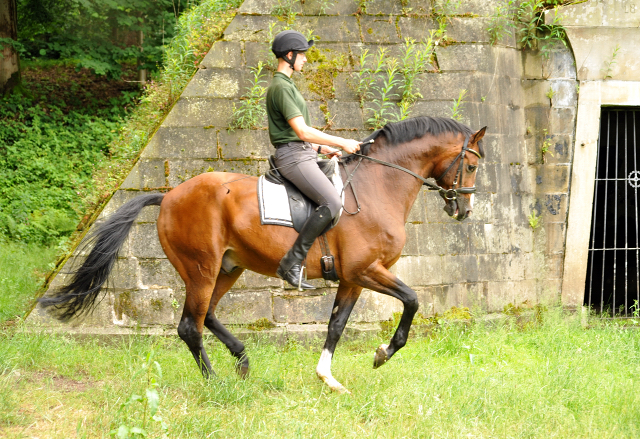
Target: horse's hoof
column 242, row 370
column 341, row 390
column 333, row 384
column 380, row 356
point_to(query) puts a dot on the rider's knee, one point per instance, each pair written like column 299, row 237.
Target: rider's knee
column 334, row 204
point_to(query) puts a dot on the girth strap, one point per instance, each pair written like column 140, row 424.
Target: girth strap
column 327, row 261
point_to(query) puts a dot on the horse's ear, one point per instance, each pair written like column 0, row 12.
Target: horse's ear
column 478, row 135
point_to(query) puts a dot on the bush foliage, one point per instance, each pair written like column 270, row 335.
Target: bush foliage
column 63, row 151
column 47, row 157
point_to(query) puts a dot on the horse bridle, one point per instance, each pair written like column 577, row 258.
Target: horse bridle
column 447, row 194
column 452, row 194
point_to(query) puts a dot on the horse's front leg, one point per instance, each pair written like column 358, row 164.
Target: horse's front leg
column 346, row 298
column 377, row 278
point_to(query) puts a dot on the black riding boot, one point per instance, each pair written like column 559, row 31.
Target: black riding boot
column 291, row 264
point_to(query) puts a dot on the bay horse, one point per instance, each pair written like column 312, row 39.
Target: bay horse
column 210, row 230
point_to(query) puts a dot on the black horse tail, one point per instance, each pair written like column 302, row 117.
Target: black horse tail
column 80, row 295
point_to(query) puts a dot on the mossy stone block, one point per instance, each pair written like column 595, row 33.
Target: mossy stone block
column 456, row 238
column 477, row 242
column 266, row 7
column 343, row 29
column 256, row 52
column 146, row 174
column 244, row 307
column 559, row 64
column 416, row 28
column 143, row 307
column 460, row 268
column 344, row 85
column 552, row 178
column 419, row 270
column 432, row 108
column 245, row 144
column 466, row 7
column 374, row 307
column 182, row 142
column 305, row 309
column 430, row 239
column 322, row 7
column 562, row 120
column 145, row 242
column 468, row 30
column 223, row 54
column 159, row 273
column 447, row 86
column 200, row 112
column 565, row 93
column 486, row 179
column 346, row 115
column 217, row 83
column 379, row 29
column 124, row 274
column 250, row 28
column 383, row 7
column 501, row 266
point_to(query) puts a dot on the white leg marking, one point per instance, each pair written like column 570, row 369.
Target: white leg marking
column 323, row 370
column 324, row 365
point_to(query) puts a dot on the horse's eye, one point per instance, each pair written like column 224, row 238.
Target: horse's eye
column 471, row 168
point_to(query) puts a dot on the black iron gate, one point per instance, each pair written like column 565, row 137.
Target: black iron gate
column 613, row 278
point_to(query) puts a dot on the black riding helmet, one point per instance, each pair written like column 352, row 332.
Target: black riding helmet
column 290, row 41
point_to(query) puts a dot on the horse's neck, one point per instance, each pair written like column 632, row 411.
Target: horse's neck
column 391, row 186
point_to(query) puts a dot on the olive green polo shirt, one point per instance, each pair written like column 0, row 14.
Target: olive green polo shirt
column 284, row 102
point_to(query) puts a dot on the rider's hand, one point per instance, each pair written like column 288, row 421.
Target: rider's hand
column 350, row 146
column 330, row 152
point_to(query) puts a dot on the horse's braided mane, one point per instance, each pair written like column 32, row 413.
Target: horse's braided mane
column 405, row 131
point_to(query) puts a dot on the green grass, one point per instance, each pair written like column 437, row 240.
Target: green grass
column 551, row 380
column 22, row 268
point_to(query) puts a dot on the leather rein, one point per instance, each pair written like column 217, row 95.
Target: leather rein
column 447, row 194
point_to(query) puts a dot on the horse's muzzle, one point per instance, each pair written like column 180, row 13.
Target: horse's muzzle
column 457, row 211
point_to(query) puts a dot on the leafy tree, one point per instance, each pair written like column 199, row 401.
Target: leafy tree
column 9, row 60
column 100, row 35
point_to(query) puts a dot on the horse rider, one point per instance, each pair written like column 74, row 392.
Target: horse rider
column 297, row 147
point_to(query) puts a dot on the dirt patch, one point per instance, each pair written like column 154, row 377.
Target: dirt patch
column 61, row 383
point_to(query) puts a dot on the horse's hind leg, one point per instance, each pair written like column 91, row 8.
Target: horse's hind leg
column 192, row 321
column 235, row 346
column 342, row 306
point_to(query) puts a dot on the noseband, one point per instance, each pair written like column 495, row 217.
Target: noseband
column 447, row 194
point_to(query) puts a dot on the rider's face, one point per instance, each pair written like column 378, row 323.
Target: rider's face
column 300, row 60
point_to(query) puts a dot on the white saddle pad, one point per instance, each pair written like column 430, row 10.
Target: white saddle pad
column 274, row 203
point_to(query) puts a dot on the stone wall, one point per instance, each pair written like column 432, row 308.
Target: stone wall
column 491, row 259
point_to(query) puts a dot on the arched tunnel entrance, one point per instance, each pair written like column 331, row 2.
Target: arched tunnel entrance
column 613, row 278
